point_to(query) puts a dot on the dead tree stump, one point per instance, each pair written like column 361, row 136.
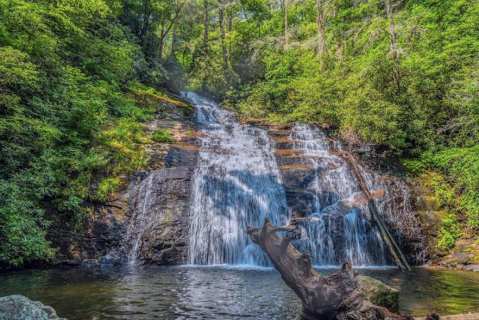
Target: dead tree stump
column 335, row 297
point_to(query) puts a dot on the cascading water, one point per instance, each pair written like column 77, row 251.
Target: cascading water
column 136, row 228
column 338, row 226
column 236, row 184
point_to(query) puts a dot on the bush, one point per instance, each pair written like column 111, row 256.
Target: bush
column 449, row 233
column 66, row 122
column 161, row 135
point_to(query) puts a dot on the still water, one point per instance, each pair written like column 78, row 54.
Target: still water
column 218, row 292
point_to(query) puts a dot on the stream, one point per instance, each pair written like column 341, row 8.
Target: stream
column 212, row 292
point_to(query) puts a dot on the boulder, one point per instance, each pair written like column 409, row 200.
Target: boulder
column 378, row 293
column 17, row 307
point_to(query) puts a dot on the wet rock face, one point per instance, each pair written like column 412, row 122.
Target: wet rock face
column 296, row 172
column 158, row 226
column 102, row 233
column 17, row 307
column 149, row 220
column 464, row 256
column 159, row 198
column 298, row 198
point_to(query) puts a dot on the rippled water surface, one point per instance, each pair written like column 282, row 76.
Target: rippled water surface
column 217, row 292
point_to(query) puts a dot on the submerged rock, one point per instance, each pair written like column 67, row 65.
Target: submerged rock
column 17, row 307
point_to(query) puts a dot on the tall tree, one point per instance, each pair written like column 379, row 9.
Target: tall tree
column 205, row 24
column 174, row 38
column 320, row 27
column 286, row 32
column 221, row 18
column 168, row 19
column 392, row 43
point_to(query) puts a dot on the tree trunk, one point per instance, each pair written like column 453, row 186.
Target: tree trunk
column 205, row 24
column 335, row 297
column 230, row 28
column 286, row 35
column 223, row 36
column 320, row 23
column 161, row 41
column 204, row 51
column 146, row 25
column 392, row 44
column 174, row 40
column 164, row 30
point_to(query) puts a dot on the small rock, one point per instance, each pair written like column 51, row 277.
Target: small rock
column 432, row 316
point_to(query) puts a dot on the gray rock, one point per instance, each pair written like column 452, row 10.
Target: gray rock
column 163, row 238
column 17, row 307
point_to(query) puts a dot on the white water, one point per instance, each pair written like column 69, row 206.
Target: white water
column 338, row 226
column 236, row 184
column 137, row 227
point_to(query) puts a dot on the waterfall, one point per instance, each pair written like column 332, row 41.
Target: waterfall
column 236, row 184
column 141, row 207
column 338, row 225
column 200, row 215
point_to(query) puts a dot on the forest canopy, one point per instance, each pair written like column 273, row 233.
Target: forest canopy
column 400, row 74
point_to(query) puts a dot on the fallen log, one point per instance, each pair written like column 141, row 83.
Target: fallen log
column 338, row 296
column 394, row 248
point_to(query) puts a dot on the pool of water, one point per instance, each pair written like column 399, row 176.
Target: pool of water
column 189, row 292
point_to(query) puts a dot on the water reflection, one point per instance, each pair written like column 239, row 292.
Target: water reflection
column 218, row 292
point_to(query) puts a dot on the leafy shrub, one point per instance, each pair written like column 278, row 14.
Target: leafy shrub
column 107, row 187
column 161, row 135
column 66, row 122
column 449, row 233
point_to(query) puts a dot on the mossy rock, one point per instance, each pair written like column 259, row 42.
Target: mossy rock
column 378, row 293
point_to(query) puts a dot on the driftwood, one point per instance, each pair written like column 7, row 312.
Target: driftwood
column 338, row 296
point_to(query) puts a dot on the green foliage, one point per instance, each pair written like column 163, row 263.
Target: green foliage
column 67, row 124
column 449, row 233
column 121, row 143
column 161, row 135
column 107, row 187
column 418, row 96
column 461, row 167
